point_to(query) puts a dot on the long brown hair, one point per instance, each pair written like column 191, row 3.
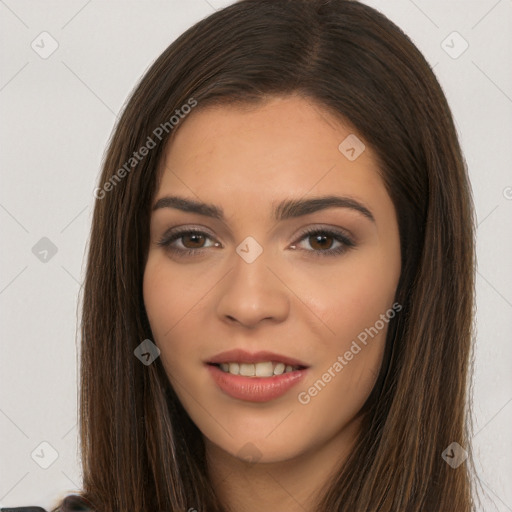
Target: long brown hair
column 140, row 450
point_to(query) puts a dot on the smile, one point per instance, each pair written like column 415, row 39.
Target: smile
column 262, row 369
column 255, row 377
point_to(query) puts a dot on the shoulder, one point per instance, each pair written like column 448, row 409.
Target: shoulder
column 22, row 509
column 71, row 503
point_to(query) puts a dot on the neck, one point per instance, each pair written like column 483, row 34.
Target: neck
column 293, row 485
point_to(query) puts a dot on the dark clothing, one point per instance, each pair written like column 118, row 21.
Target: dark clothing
column 71, row 503
column 23, row 509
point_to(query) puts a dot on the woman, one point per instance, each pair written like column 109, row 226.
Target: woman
column 279, row 294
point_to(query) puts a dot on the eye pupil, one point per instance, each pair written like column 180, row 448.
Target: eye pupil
column 320, row 239
column 196, row 239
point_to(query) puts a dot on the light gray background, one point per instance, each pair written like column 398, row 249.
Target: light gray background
column 57, row 114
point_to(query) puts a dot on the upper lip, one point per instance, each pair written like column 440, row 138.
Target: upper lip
column 242, row 356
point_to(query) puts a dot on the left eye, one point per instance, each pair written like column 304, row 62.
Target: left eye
column 322, row 241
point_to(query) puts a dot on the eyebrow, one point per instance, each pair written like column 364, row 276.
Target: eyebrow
column 287, row 209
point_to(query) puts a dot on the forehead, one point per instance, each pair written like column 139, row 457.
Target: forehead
column 250, row 154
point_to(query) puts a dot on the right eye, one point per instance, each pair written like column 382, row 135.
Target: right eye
column 192, row 241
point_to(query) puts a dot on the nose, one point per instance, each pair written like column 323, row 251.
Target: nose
column 253, row 292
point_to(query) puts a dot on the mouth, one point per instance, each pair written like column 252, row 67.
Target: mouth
column 261, row 369
column 257, row 377
column 258, row 364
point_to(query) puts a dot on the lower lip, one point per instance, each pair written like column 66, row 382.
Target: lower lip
column 255, row 389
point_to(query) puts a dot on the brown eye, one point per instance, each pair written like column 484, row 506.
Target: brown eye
column 321, row 242
column 324, row 242
column 193, row 240
column 188, row 242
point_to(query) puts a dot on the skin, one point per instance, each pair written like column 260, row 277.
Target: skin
column 290, row 300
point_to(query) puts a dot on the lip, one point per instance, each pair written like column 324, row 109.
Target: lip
column 255, row 389
column 242, row 356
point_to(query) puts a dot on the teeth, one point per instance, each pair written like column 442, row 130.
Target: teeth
column 279, row 369
column 265, row 369
column 247, row 370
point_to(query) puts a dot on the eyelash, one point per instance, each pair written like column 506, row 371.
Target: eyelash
column 346, row 242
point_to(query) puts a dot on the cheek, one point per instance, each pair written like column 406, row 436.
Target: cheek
column 168, row 296
column 352, row 297
column 159, row 298
column 166, row 302
column 173, row 299
column 353, row 307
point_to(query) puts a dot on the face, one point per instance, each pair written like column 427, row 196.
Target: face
column 296, row 298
